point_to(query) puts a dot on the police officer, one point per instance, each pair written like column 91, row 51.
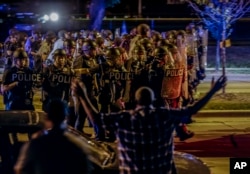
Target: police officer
column 113, row 82
column 18, row 83
column 57, row 78
column 167, row 74
column 139, row 67
column 87, row 60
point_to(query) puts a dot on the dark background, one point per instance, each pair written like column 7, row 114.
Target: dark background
column 156, row 13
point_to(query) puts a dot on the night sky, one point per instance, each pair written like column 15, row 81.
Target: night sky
column 156, row 8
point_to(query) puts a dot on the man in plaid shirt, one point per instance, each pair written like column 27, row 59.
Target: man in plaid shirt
column 145, row 134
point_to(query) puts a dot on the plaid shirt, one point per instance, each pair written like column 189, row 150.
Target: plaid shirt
column 145, row 138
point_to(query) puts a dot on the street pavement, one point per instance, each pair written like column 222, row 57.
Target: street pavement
column 217, row 139
column 220, row 134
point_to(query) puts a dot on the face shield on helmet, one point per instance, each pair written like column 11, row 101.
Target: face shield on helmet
column 163, row 54
column 20, row 58
column 160, row 52
column 113, row 57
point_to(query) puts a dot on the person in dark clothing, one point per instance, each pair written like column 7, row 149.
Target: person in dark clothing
column 57, row 77
column 144, row 135
column 54, row 150
column 18, row 84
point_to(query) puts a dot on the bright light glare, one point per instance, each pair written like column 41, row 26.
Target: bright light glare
column 54, row 16
column 46, row 17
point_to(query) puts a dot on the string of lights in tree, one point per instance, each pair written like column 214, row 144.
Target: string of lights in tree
column 214, row 13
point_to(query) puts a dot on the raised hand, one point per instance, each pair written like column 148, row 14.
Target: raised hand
column 220, row 83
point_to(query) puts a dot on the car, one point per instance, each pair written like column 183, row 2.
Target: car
column 17, row 127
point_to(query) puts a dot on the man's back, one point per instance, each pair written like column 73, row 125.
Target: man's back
column 145, row 140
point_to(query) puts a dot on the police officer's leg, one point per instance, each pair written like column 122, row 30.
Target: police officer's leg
column 97, row 125
column 80, row 118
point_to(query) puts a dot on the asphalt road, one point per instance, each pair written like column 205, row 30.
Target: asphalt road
column 217, row 139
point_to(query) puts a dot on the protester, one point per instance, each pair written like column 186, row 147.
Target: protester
column 144, row 134
column 55, row 150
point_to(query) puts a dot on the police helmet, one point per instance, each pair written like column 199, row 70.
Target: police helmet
column 170, row 34
column 146, row 43
column 156, row 36
column 181, row 32
column 89, row 44
column 142, row 29
column 59, row 52
column 106, row 33
column 161, row 51
column 172, row 47
column 139, row 49
column 164, row 42
column 113, row 53
column 99, row 41
column 69, row 43
column 20, row 54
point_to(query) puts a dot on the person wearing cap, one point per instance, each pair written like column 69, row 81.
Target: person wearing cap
column 18, row 83
column 54, row 149
column 56, row 79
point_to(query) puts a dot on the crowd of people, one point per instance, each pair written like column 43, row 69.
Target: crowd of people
column 171, row 63
column 135, row 89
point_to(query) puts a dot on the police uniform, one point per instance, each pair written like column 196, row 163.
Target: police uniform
column 87, row 60
column 113, row 81
column 138, row 66
column 18, row 83
column 56, row 80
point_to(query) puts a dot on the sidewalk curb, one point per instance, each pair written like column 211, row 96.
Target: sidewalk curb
column 223, row 113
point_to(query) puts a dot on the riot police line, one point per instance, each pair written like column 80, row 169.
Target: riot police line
column 66, row 79
column 146, row 63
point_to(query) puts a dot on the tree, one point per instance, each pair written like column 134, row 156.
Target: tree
column 218, row 17
column 97, row 12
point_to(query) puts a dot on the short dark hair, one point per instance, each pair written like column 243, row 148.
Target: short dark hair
column 57, row 111
column 144, row 96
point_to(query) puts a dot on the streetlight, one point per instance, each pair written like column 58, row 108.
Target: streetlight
column 139, row 8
